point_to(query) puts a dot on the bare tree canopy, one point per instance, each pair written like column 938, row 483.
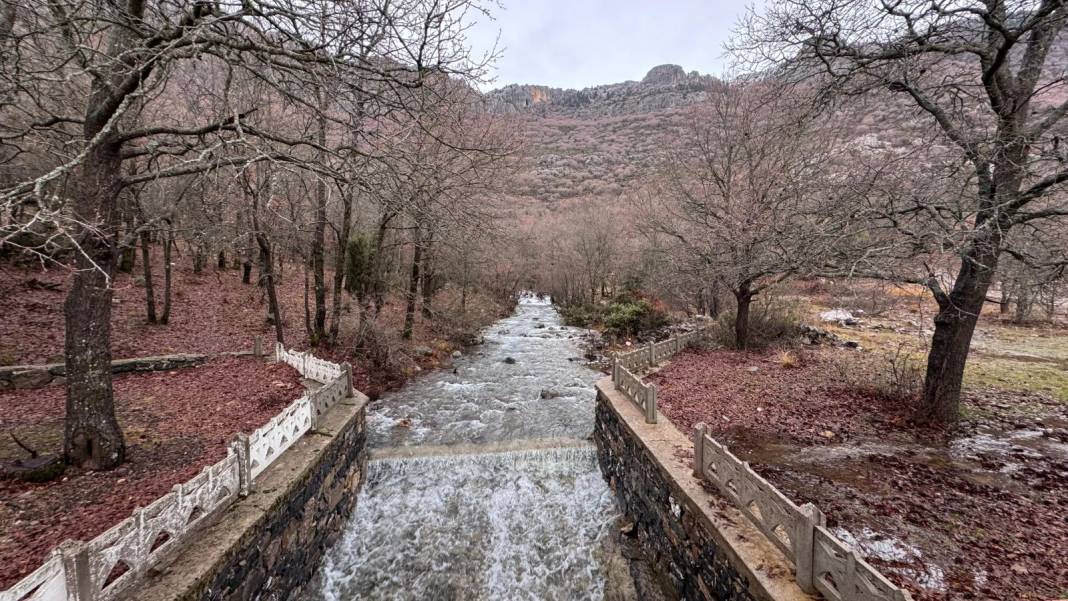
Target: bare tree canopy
column 977, row 71
column 99, row 96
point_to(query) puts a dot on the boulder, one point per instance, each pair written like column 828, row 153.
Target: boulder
column 457, row 354
column 838, row 315
column 423, row 351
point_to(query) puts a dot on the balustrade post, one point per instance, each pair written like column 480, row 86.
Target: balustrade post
column 76, row 571
column 346, row 370
column 699, row 451
column 652, row 356
column 650, row 404
column 257, row 346
column 241, row 446
column 805, row 547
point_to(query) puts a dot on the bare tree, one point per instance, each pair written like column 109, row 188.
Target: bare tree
column 743, row 199
column 73, row 69
column 976, row 70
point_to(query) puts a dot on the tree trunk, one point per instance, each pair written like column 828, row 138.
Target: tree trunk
column 146, row 261
column 92, row 437
column 413, row 288
column 221, row 264
column 741, row 317
column 427, row 284
column 264, row 265
column 268, row 282
column 199, row 258
column 246, row 261
column 1006, row 297
column 1024, row 301
column 377, row 267
column 954, row 326
column 168, row 247
column 319, row 242
column 307, row 307
column 339, row 266
column 129, row 251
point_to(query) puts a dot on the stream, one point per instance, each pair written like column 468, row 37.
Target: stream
column 482, row 483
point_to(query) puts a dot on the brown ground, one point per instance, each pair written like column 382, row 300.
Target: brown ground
column 979, row 513
column 175, row 423
column 214, row 312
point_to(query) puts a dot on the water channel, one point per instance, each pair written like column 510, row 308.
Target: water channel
column 482, row 483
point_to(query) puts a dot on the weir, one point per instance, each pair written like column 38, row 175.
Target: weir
column 481, row 482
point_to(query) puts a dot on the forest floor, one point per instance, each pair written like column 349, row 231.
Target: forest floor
column 975, row 512
column 177, row 421
column 174, row 422
column 214, row 312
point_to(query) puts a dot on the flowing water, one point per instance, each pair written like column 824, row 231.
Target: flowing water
column 482, row 483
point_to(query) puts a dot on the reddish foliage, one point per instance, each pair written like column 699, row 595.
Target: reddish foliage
column 985, row 516
column 175, row 423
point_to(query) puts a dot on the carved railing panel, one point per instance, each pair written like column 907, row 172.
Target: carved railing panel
column 822, row 563
column 46, row 583
column 277, row 435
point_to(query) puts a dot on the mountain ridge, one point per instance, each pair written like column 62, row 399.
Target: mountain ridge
column 663, row 87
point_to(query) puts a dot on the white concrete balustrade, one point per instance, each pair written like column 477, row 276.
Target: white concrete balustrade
column 105, row 567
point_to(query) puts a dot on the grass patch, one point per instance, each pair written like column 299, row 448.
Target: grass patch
column 1027, row 376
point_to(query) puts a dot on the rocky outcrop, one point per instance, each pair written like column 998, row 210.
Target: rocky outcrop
column 664, row 86
column 664, row 75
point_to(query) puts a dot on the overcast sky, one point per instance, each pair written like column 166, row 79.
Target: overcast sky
column 580, row 43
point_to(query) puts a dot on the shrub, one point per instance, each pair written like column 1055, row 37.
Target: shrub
column 580, row 316
column 628, row 316
column 772, row 320
column 789, row 360
column 904, row 373
column 896, row 375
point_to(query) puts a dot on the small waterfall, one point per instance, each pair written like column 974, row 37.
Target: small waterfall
column 515, row 524
column 558, row 455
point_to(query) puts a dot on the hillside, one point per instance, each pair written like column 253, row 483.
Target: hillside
column 598, row 141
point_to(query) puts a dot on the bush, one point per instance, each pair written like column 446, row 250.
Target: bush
column 628, row 316
column 896, row 375
column 772, row 321
column 580, row 316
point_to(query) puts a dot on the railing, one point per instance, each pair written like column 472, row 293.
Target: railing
column 626, row 366
column 107, row 566
column 632, row 387
column 822, row 563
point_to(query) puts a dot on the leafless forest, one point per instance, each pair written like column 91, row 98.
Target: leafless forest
column 186, row 175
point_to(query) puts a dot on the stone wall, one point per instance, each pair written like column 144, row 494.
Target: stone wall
column 701, row 547
column 36, row 376
column 269, row 545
